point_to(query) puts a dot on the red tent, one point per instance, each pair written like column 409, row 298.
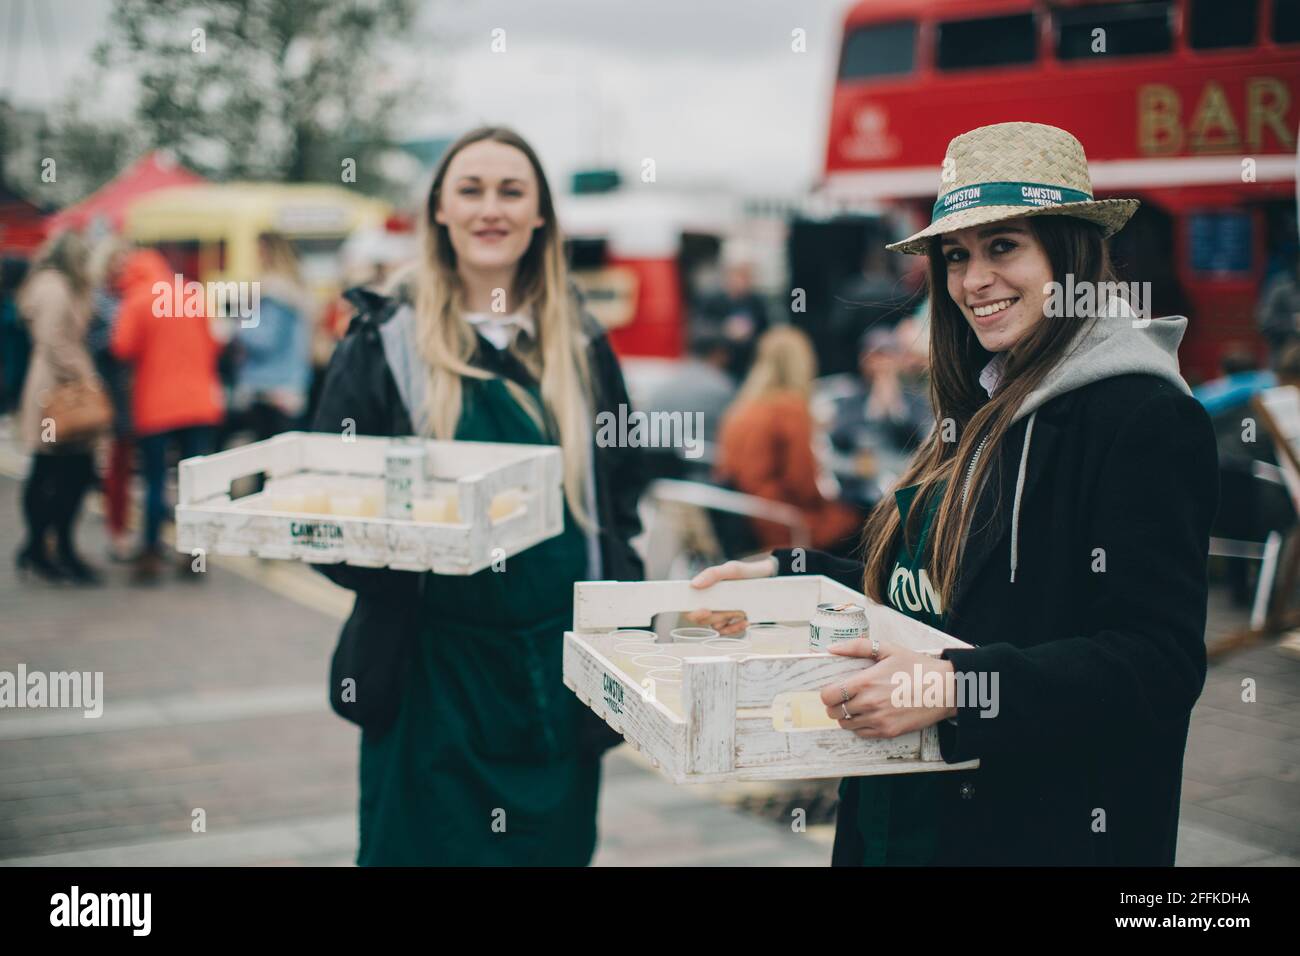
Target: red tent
column 22, row 224
column 155, row 170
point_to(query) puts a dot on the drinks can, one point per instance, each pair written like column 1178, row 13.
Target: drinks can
column 404, row 477
column 834, row 623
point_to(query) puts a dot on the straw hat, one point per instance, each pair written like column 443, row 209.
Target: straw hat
column 1009, row 170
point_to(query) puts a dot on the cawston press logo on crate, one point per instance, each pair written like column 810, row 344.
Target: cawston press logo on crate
column 613, row 692
column 316, row 535
column 835, row 623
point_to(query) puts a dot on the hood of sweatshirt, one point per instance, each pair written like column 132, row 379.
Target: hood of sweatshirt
column 1116, row 343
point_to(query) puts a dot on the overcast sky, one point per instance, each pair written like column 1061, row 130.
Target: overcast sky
column 710, row 89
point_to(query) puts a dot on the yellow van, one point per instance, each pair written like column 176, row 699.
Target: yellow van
column 210, row 231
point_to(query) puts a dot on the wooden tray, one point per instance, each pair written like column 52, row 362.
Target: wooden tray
column 207, row 518
column 726, row 719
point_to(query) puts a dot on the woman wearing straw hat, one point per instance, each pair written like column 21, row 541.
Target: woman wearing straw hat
column 1056, row 519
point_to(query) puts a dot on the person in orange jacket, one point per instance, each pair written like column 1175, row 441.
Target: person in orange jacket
column 176, row 397
column 765, row 443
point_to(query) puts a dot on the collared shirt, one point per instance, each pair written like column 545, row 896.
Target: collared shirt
column 991, row 375
column 500, row 329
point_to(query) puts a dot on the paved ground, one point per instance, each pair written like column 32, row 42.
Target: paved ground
column 217, row 702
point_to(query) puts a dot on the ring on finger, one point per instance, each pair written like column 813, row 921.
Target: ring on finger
column 844, row 694
column 845, row 707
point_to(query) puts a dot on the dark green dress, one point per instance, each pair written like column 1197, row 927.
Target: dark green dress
column 482, row 766
column 897, row 816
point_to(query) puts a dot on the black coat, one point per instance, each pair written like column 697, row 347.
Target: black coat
column 1098, row 670
column 382, row 628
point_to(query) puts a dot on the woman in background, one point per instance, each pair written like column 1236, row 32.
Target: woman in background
column 55, row 302
column 274, row 364
column 106, row 262
column 176, row 398
column 765, row 444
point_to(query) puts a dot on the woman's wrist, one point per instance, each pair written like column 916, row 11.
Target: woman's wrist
column 951, row 685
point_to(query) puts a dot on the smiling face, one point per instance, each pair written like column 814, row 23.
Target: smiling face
column 490, row 204
column 996, row 274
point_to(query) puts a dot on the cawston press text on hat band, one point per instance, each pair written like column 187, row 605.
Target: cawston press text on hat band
column 1006, row 194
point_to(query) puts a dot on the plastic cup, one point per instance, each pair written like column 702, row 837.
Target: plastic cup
column 633, row 634
column 666, row 688
column 651, row 662
column 771, row 638
column 693, row 634
column 728, row 642
column 626, row 653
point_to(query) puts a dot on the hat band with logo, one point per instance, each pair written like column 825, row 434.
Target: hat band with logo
column 1005, row 194
column 1015, row 171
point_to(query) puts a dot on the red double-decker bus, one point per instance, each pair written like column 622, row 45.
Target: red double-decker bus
column 1189, row 105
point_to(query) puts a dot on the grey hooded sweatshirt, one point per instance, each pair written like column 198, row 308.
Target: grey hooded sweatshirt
column 1116, row 343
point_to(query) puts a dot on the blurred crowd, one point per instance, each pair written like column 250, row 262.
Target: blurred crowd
column 83, row 317
column 774, row 427
column 199, row 383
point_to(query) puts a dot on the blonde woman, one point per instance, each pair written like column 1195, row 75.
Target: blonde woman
column 1057, row 520
column 765, row 444
column 473, row 752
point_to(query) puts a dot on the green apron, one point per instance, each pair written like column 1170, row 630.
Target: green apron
column 897, row 816
column 482, row 766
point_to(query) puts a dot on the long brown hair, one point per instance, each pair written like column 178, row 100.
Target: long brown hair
column 447, row 342
column 965, row 414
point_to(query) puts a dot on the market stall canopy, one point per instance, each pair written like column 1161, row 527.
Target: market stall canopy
column 22, row 224
column 154, row 171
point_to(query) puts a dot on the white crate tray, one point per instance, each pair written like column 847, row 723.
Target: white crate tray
column 473, row 472
column 726, row 719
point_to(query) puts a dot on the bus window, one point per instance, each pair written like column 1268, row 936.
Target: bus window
column 1128, row 29
column 887, row 49
column 1286, row 21
column 992, row 41
column 1217, row 25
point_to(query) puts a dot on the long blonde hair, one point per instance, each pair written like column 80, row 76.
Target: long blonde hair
column 783, row 362
column 447, row 342
column 67, row 254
